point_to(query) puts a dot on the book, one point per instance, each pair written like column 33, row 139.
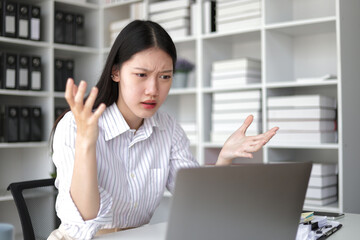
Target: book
column 233, row 82
column 221, row 137
column 137, row 11
column 321, row 193
column 168, row 5
column 188, row 126
column 238, row 25
column 235, row 8
column 236, row 64
column 209, row 8
column 235, row 116
column 322, row 181
column 283, row 137
column 318, row 79
column 240, row 95
column 236, row 73
column 193, row 19
column 179, row 33
column 219, row 107
column 296, row 101
column 226, row 3
column 238, row 17
column 301, row 113
column 293, row 125
column 170, row 15
column 174, row 24
column 220, row 127
column 117, row 26
column 320, row 202
column 324, row 169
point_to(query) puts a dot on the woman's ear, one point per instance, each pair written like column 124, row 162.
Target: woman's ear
column 115, row 74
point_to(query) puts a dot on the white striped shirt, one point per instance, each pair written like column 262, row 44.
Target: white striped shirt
column 133, row 169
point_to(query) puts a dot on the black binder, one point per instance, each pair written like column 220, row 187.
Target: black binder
column 69, row 70
column 23, row 21
column 10, row 19
column 35, row 23
column 1, row 18
column 24, row 124
column 69, row 28
column 59, row 75
column 59, row 28
column 8, row 70
column 80, row 30
column 35, row 124
column 11, row 124
column 35, row 74
column 23, row 72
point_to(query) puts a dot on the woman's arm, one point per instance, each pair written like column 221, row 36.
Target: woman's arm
column 240, row 145
column 84, row 184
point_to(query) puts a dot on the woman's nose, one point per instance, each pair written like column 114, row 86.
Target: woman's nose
column 152, row 87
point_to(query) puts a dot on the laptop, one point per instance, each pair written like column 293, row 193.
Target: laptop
column 250, row 201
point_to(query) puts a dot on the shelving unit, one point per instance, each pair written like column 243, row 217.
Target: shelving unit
column 297, row 38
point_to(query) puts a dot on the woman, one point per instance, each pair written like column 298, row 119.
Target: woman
column 114, row 152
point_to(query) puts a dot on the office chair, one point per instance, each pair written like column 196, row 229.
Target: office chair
column 35, row 202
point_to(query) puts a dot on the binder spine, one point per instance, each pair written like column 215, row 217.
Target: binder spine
column 10, row 69
column 35, row 23
column 69, row 29
column 35, row 74
column 59, row 28
column 35, row 124
column 10, row 19
column 24, row 124
column 23, row 72
column 11, row 126
column 23, row 21
column 79, row 30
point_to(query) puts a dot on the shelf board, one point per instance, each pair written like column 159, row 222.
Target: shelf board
column 303, row 146
column 300, row 84
column 5, row 195
column 75, row 49
column 25, row 93
column 305, row 27
column 184, row 39
column 118, row 4
column 92, row 6
column 231, row 89
column 23, row 42
column 59, row 95
column 333, row 207
column 230, row 33
column 182, row 91
column 24, row 145
column 213, row 144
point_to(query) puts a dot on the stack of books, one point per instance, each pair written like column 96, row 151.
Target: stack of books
column 136, row 12
column 173, row 16
column 322, row 188
column 235, row 72
column 229, row 111
column 303, row 119
column 190, row 130
column 237, row 14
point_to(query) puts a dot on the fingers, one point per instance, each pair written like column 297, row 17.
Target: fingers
column 69, row 92
column 246, row 123
column 91, row 99
column 79, row 97
column 99, row 111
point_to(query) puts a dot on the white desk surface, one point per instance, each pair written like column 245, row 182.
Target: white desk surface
column 350, row 229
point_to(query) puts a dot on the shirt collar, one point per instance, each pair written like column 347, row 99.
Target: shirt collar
column 114, row 123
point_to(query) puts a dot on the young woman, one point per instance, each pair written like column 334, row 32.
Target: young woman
column 114, row 152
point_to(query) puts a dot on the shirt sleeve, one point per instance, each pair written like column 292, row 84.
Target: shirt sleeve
column 180, row 155
column 63, row 158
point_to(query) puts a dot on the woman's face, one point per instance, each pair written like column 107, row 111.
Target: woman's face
column 144, row 83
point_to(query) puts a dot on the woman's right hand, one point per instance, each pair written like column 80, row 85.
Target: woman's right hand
column 86, row 119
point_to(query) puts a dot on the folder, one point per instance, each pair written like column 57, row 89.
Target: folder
column 23, row 21
column 23, row 72
column 10, row 19
column 69, row 28
column 11, row 124
column 79, row 30
column 69, row 70
column 35, row 74
column 59, row 75
column 35, row 124
column 35, row 23
column 24, row 124
column 8, row 72
column 59, row 28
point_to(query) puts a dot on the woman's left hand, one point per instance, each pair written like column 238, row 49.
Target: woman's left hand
column 240, row 145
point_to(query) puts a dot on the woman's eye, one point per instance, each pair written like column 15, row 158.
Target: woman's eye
column 141, row 74
column 165, row 76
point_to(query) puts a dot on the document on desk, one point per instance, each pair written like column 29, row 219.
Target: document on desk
column 314, row 231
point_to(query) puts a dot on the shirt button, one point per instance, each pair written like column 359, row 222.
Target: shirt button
column 135, row 205
column 132, row 175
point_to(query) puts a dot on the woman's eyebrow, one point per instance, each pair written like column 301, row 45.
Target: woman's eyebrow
column 147, row 70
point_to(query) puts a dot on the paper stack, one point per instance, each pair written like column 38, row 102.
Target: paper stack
column 235, row 72
column 190, row 130
column 304, row 119
column 229, row 111
column 136, row 12
column 322, row 188
column 237, row 14
column 173, row 16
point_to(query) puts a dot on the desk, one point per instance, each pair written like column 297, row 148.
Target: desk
column 351, row 223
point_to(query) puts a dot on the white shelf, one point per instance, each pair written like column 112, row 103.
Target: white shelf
column 303, row 146
column 24, row 145
column 24, row 93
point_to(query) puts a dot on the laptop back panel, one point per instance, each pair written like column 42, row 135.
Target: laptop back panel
column 250, row 201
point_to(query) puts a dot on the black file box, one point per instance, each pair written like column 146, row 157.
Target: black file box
column 1, row 17
column 80, row 30
column 35, row 23
column 24, row 124
column 10, row 19
column 35, row 124
column 23, row 72
column 59, row 75
column 69, row 28
column 8, row 70
column 59, row 28
column 11, row 124
column 23, row 21
column 69, row 70
column 35, row 74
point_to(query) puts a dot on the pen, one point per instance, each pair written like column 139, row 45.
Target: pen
column 330, row 232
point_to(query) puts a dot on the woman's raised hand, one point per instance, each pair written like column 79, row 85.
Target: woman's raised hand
column 86, row 119
column 240, row 145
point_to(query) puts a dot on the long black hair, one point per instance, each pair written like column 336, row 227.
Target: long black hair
column 137, row 36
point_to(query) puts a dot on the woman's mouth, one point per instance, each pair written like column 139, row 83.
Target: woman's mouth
column 150, row 104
